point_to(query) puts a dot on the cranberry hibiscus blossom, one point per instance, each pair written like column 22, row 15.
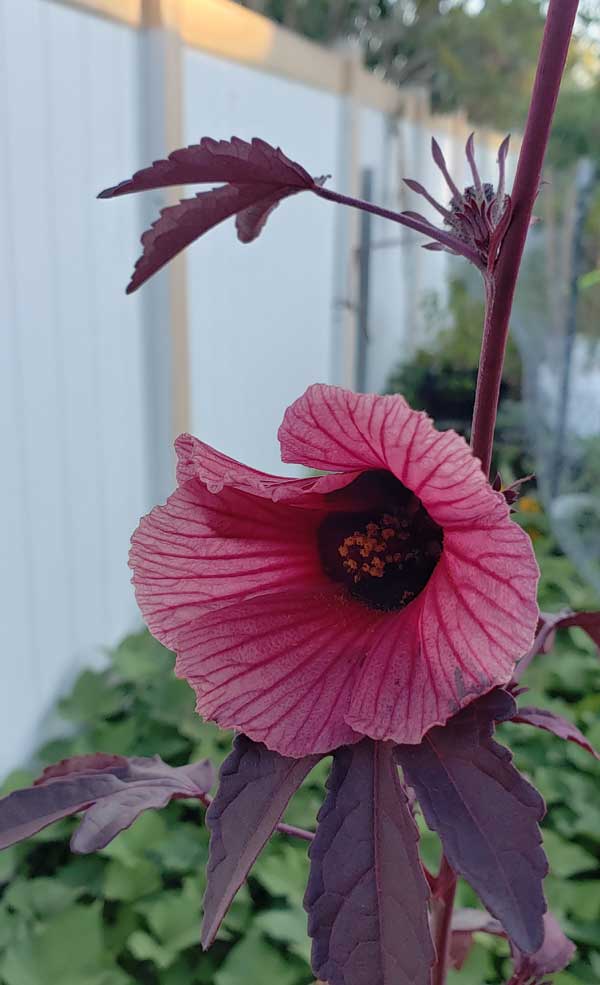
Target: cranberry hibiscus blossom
column 377, row 600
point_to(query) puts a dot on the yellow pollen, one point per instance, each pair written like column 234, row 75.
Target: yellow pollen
column 368, row 553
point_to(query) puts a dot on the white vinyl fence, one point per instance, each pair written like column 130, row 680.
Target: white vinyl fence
column 94, row 384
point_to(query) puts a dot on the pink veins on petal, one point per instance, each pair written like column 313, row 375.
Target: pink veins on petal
column 376, row 600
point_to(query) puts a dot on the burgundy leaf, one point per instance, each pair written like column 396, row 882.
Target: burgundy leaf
column 470, row 152
column 485, row 813
column 434, row 247
column 367, row 894
column 513, row 492
column 255, row 786
column 96, row 762
column 555, row 954
column 499, row 232
column 255, row 176
column 562, row 727
column 232, row 161
column 179, row 225
column 438, row 156
column 549, row 623
column 417, row 187
column 114, row 790
column 588, row 621
column 251, row 221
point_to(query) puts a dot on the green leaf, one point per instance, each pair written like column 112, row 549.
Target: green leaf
column 583, row 932
column 116, row 737
column 66, row 951
column 478, row 968
column 282, row 869
column 287, row 926
column 124, row 920
column 430, row 848
column 145, row 948
column 40, row 897
column 84, row 873
column 585, row 281
column 566, row 858
column 10, row 927
column 174, row 917
column 9, row 860
column 131, row 880
column 57, row 749
column 184, row 848
column 256, row 962
column 93, row 698
column 139, row 659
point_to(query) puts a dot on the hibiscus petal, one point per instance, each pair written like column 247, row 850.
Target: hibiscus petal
column 279, row 667
column 202, row 550
column 458, row 639
column 197, row 460
column 332, row 428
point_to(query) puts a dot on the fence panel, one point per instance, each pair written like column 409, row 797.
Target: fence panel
column 72, row 378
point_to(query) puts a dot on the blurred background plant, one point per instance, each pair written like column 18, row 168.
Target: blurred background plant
column 467, row 52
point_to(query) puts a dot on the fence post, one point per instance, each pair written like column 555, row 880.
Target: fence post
column 164, row 298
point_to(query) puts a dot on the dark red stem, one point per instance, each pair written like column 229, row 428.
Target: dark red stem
column 442, row 921
column 405, row 220
column 502, row 282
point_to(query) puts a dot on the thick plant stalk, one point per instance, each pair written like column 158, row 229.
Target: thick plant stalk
column 442, row 921
column 502, row 281
column 500, row 290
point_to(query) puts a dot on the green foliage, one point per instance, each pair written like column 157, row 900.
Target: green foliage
column 131, row 913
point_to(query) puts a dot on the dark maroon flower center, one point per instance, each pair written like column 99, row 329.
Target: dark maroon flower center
column 385, row 554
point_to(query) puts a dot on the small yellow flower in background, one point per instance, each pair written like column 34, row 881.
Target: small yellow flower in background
column 529, row 504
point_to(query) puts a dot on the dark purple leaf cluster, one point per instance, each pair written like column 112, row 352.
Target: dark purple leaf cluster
column 485, row 813
column 367, row 894
column 255, row 177
column 112, row 791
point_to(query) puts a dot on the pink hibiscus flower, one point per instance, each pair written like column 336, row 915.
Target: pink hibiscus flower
column 376, row 600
